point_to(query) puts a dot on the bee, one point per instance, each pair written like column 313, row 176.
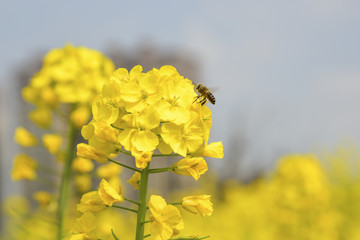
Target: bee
column 204, row 95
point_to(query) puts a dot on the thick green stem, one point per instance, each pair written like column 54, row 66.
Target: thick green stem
column 65, row 180
column 142, row 203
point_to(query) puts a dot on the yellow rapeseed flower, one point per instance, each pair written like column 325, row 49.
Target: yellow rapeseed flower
column 201, row 203
column 166, row 219
column 25, row 138
column 92, row 202
column 214, row 150
column 52, row 142
column 83, row 227
column 24, row 168
column 135, row 180
column 190, row 167
column 89, row 152
column 108, row 194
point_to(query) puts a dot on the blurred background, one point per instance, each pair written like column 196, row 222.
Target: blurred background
column 286, row 73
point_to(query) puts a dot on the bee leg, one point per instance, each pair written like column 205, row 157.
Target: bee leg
column 196, row 98
column 203, row 101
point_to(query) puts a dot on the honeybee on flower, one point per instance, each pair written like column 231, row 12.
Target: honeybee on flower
column 204, row 95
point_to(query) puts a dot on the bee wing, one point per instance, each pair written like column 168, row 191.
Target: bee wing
column 214, row 89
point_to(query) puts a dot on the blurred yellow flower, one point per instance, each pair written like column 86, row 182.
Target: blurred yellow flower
column 80, row 116
column 24, row 168
column 108, row 194
column 190, row 167
column 109, row 170
column 83, row 182
column 52, row 142
column 41, row 117
column 82, row 165
column 25, row 138
column 43, row 198
column 201, row 203
column 166, row 219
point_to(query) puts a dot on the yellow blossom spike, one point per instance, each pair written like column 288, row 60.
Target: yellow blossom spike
column 194, row 167
column 92, row 202
column 52, row 142
column 135, row 180
column 201, row 203
column 24, row 168
column 108, row 194
column 89, row 152
column 25, row 138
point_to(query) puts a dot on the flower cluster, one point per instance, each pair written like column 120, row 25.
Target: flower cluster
column 137, row 114
column 69, row 75
column 64, row 89
column 142, row 112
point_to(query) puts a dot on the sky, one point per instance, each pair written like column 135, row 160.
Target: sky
column 286, row 72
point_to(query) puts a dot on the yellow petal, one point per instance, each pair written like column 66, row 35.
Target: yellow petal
column 145, row 141
column 214, row 150
column 131, row 92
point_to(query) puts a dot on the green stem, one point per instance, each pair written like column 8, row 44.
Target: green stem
column 148, row 235
column 160, row 170
column 125, row 166
column 142, row 203
column 125, row 208
column 129, row 200
column 124, row 152
column 65, row 180
column 176, row 203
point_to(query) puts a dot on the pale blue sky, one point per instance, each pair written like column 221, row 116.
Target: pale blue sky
column 287, row 71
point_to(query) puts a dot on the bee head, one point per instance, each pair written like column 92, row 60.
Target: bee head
column 198, row 86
